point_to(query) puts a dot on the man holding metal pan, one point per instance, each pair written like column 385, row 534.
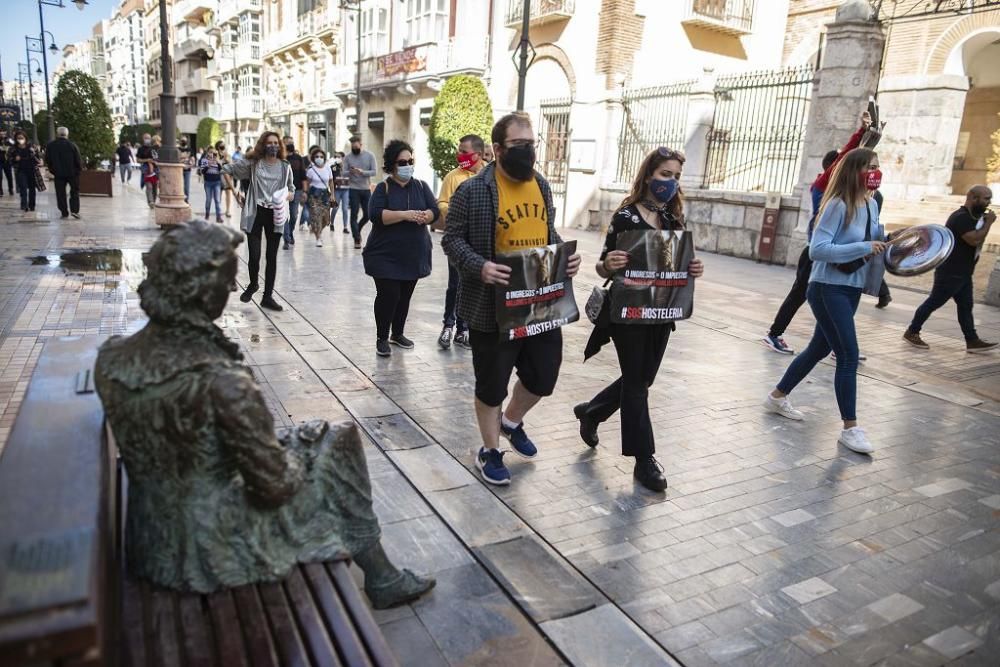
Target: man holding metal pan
column 970, row 225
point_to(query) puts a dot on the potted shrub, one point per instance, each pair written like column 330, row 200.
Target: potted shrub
column 79, row 105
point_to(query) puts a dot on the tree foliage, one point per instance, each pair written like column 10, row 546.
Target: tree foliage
column 462, row 107
column 133, row 133
column 79, row 105
column 42, row 120
column 209, row 132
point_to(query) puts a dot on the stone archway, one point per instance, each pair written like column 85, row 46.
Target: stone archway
column 554, row 54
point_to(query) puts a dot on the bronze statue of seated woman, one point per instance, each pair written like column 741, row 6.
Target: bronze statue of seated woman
column 216, row 497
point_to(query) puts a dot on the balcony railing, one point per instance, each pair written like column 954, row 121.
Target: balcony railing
column 542, row 11
column 199, row 82
column 247, row 54
column 732, row 17
column 317, row 21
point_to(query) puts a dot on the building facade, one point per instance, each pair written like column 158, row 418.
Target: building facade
column 194, row 61
column 238, row 49
column 125, row 58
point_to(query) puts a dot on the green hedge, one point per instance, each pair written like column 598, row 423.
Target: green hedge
column 462, row 107
column 209, row 132
column 79, row 105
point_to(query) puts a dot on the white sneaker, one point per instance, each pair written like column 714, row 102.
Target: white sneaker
column 319, row 243
column 856, row 440
column 782, row 406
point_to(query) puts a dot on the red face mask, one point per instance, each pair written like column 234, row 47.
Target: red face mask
column 467, row 160
column 872, row 180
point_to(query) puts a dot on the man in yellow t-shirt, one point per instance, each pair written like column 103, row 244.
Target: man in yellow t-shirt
column 471, row 149
column 506, row 207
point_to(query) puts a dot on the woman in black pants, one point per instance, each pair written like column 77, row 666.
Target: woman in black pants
column 398, row 251
column 265, row 208
column 655, row 203
column 24, row 157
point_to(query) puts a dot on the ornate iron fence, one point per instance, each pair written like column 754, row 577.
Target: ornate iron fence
column 553, row 144
column 755, row 143
column 653, row 117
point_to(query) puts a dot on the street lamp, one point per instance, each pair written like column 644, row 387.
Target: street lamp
column 171, row 209
column 31, row 97
column 80, row 4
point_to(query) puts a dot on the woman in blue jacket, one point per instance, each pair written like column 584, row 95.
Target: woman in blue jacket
column 846, row 235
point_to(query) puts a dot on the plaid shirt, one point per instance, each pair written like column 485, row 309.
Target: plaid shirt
column 470, row 241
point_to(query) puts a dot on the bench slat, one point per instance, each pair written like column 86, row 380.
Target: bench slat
column 363, row 620
column 255, row 629
column 226, row 629
column 196, row 626
column 293, row 653
column 310, row 621
column 338, row 620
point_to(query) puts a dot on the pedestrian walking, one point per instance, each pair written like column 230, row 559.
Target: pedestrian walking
column 341, row 193
column 62, row 157
column 398, row 251
column 124, row 156
column 970, row 225
column 186, row 157
column 265, row 208
column 319, row 182
column 506, row 206
column 23, row 155
column 224, row 159
column 470, row 161
column 360, row 167
column 237, row 154
column 298, row 165
column 846, row 234
column 210, row 169
column 149, row 172
column 655, row 202
column 6, row 166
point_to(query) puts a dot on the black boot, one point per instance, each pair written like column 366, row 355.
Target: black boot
column 249, row 292
column 268, row 302
column 649, row 473
column 588, row 427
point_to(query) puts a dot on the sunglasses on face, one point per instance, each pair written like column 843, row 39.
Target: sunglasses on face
column 670, row 154
column 404, row 163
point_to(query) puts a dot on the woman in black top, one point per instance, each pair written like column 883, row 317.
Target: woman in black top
column 24, row 158
column 398, row 251
column 655, row 203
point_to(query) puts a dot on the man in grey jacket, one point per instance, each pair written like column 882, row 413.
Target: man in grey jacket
column 359, row 165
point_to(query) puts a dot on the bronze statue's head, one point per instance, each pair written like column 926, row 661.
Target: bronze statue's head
column 191, row 271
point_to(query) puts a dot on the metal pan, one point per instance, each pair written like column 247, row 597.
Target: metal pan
column 918, row 250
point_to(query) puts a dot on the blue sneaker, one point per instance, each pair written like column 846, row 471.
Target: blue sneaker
column 490, row 464
column 777, row 343
column 519, row 440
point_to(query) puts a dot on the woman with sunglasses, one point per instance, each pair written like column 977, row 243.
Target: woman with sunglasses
column 319, row 177
column 655, row 203
column 398, row 250
column 846, row 234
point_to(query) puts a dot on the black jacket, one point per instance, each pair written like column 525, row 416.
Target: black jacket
column 62, row 157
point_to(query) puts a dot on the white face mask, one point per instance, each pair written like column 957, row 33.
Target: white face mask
column 320, row 161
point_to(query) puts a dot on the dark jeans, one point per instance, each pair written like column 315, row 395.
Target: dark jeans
column 392, row 304
column 947, row 287
column 8, row 171
column 74, row 194
column 187, row 184
column 26, row 188
column 834, row 307
column 293, row 214
column 640, row 350
column 797, row 295
column 450, row 299
column 359, row 200
column 263, row 224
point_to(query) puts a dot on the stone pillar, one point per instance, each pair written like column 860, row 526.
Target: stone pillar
column 993, row 288
column 847, row 77
column 171, row 208
column 700, row 116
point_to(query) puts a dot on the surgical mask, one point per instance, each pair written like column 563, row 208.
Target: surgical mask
column 519, row 162
column 466, row 160
column 20, row 142
column 319, row 161
column 873, row 179
column 664, row 190
column 404, row 173
column 147, row 142
column 271, row 151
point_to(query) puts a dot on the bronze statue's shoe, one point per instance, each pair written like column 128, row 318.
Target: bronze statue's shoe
column 401, row 589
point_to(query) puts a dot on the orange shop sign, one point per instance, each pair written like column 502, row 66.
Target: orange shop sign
column 413, row 59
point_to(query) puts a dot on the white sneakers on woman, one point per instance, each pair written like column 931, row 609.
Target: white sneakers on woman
column 856, row 440
column 782, row 406
column 853, row 438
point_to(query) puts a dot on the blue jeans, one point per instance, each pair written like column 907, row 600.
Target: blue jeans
column 343, row 197
column 187, row 184
column 293, row 214
column 125, row 171
column 946, row 287
column 834, row 307
column 213, row 192
column 359, row 201
column 451, row 319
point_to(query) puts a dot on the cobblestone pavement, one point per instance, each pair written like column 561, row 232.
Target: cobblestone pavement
column 772, row 545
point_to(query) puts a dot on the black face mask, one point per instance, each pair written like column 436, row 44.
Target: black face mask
column 977, row 211
column 290, row 148
column 519, row 162
column 356, row 150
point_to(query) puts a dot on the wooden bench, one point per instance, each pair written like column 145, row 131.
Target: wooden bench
column 64, row 597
